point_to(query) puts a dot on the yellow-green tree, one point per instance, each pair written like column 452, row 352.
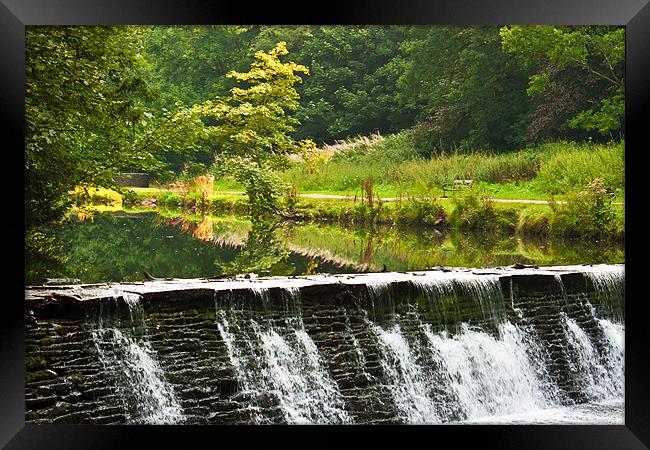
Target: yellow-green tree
column 253, row 125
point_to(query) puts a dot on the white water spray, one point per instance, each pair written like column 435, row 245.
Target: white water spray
column 140, row 381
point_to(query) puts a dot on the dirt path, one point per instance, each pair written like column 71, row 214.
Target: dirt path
column 392, row 199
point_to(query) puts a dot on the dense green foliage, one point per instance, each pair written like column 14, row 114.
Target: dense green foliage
column 473, row 88
column 469, row 94
column 459, row 102
column 253, row 125
column 86, row 115
column 579, row 73
column 587, row 213
column 479, row 213
column 352, row 86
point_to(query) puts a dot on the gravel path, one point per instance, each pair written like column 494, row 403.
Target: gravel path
column 391, row 199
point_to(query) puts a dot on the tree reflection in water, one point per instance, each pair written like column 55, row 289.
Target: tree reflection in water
column 264, row 253
column 120, row 246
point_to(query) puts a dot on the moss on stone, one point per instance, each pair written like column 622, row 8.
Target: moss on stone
column 35, row 363
column 40, row 375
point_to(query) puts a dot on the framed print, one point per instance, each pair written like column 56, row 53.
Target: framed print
column 410, row 214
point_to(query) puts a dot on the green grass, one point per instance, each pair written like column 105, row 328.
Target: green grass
column 554, row 171
column 532, row 173
column 535, row 173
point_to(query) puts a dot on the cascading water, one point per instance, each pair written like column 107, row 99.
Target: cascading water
column 483, row 291
column 433, row 348
column 282, row 363
column 128, row 358
column 601, row 374
column 491, row 376
column 609, row 287
column 405, row 377
column 490, row 372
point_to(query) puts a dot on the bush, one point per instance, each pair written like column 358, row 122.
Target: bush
column 94, row 196
column 419, row 212
column 478, row 213
column 130, row 197
column 170, row 199
column 587, row 214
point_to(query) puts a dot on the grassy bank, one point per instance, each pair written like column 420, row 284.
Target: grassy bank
column 533, row 173
column 587, row 214
column 581, row 181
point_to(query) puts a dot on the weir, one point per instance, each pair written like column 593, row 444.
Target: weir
column 440, row 346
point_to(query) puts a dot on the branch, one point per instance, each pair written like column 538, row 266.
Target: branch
column 609, row 64
column 615, row 81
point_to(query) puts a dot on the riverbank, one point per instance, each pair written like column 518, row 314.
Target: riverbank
column 591, row 214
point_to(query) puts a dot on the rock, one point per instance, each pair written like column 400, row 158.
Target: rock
column 30, row 320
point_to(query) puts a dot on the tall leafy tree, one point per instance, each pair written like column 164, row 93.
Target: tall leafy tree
column 352, row 86
column 188, row 63
column 253, row 125
column 469, row 94
column 587, row 60
column 187, row 66
column 85, row 114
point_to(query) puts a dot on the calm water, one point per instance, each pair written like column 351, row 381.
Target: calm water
column 121, row 246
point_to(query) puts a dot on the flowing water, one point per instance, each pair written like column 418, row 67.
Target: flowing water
column 280, row 365
column 136, row 376
column 448, row 348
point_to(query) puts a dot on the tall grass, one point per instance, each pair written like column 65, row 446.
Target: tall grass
column 570, row 166
column 392, row 163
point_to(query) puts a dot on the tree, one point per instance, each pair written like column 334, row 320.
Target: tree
column 187, row 62
column 352, row 85
column 594, row 54
column 86, row 117
column 253, row 125
column 467, row 91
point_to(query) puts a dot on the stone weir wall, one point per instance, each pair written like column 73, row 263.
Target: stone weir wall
column 305, row 349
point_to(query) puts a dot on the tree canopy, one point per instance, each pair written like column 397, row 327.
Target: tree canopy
column 591, row 55
column 100, row 100
column 86, row 114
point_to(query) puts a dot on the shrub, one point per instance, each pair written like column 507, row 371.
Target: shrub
column 588, row 213
column 170, row 199
column 419, row 212
column 478, row 213
column 129, row 197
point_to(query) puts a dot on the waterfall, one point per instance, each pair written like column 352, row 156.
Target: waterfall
column 491, row 376
column 283, row 363
column 129, row 360
column 609, row 286
column 430, row 348
column 601, row 374
column 446, row 294
column 405, row 377
column 486, row 291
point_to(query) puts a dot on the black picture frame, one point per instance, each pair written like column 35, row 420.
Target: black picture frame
column 634, row 14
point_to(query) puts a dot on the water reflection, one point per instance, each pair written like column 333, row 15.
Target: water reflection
column 121, row 246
